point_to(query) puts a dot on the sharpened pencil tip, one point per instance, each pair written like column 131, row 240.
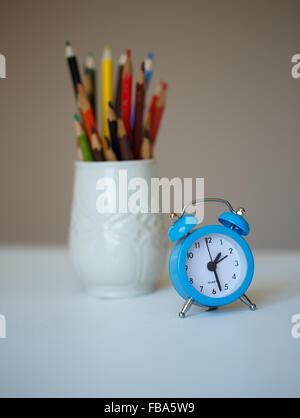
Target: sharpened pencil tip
column 76, row 117
column 111, row 105
column 122, row 58
column 128, row 52
column 150, row 56
column 69, row 50
column 108, row 145
column 143, row 66
column 93, row 129
column 107, row 53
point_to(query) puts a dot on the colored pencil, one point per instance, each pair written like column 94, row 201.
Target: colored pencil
column 126, row 92
column 157, row 113
column 146, row 147
column 90, row 82
column 148, row 75
column 113, row 127
column 128, row 131
column 96, row 145
column 79, row 151
column 83, row 141
column 139, row 112
column 109, row 154
column 107, row 75
column 124, row 146
column 118, row 89
column 73, row 66
column 154, row 99
column 89, row 123
column 149, row 68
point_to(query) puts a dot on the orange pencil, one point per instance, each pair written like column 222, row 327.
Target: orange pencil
column 126, row 92
column 90, row 123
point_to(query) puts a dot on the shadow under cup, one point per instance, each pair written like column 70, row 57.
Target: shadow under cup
column 115, row 254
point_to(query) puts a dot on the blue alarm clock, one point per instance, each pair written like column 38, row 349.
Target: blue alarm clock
column 213, row 265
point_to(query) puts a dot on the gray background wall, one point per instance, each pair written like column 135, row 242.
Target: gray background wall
column 232, row 114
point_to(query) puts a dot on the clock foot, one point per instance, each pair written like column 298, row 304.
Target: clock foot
column 187, row 304
column 248, row 302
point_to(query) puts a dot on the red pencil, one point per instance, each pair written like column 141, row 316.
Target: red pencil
column 126, row 92
column 157, row 113
column 153, row 102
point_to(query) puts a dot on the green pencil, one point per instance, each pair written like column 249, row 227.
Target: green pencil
column 83, row 140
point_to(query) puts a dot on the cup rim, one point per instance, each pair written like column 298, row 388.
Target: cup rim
column 114, row 163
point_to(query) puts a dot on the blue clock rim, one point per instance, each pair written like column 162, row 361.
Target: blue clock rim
column 185, row 283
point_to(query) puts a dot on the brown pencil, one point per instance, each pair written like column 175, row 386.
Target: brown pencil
column 124, row 147
column 96, row 145
column 139, row 112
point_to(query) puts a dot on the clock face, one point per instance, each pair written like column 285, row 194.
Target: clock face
column 216, row 265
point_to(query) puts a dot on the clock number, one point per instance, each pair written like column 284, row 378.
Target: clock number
column 226, row 286
column 197, row 244
column 221, row 241
column 190, row 255
column 201, row 288
column 186, row 267
column 191, row 281
column 234, row 276
column 209, row 239
column 230, row 250
column 236, row 263
column 214, row 292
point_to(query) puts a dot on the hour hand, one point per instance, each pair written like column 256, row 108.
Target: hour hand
column 217, row 258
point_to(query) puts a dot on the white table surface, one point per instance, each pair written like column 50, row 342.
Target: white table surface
column 61, row 342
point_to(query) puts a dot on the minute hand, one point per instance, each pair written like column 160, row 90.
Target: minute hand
column 217, row 279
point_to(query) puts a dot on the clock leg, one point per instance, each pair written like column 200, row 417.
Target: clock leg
column 248, row 302
column 187, row 304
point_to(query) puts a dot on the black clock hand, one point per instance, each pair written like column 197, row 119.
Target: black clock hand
column 212, row 265
column 217, row 258
column 217, row 279
column 206, row 240
column 216, row 262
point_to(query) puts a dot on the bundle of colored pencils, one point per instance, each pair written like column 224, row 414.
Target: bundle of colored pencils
column 128, row 131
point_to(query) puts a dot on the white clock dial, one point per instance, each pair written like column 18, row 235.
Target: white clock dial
column 216, row 265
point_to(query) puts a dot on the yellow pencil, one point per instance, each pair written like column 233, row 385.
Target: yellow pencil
column 107, row 80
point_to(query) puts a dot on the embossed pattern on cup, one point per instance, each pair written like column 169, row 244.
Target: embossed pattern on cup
column 117, row 254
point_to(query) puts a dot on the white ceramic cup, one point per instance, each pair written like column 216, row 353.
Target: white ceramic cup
column 115, row 254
